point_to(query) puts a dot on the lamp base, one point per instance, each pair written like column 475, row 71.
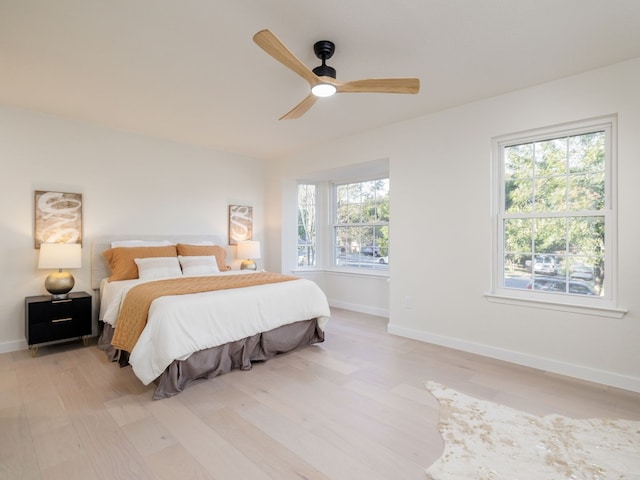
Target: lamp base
column 60, row 296
column 59, row 284
column 248, row 265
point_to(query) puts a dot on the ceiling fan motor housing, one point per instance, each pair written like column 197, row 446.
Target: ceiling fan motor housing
column 325, row 71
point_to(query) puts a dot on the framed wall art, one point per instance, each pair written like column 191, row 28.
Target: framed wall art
column 58, row 217
column 240, row 223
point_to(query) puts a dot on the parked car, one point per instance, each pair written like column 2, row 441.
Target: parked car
column 554, row 284
column 373, row 251
column 580, row 271
column 545, row 264
column 383, row 260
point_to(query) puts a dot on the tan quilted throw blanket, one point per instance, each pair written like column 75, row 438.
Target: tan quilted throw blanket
column 135, row 308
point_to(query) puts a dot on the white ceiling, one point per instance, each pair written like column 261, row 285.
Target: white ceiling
column 189, row 71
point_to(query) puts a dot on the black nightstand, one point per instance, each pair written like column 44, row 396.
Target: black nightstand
column 49, row 320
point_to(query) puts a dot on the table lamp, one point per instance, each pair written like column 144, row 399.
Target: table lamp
column 59, row 255
column 249, row 250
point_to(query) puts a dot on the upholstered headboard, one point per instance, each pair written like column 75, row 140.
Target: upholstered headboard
column 100, row 269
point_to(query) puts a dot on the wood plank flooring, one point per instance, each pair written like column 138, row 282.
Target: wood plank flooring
column 353, row 407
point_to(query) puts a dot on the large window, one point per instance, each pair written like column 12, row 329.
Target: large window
column 361, row 224
column 555, row 214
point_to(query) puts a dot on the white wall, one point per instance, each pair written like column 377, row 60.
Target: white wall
column 441, row 227
column 130, row 185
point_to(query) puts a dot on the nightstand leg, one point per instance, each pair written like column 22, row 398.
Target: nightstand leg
column 85, row 341
column 34, row 350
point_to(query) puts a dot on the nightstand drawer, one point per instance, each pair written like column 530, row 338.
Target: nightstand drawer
column 57, row 330
column 46, row 312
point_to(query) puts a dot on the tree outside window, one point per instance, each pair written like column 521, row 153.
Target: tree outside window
column 307, row 239
column 361, row 224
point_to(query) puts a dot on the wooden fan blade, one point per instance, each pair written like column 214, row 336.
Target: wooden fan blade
column 381, row 85
column 301, row 108
column 274, row 47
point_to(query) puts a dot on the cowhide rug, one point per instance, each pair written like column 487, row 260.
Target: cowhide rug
column 488, row 441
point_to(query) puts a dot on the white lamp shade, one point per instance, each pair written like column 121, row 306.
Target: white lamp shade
column 60, row 255
column 248, row 249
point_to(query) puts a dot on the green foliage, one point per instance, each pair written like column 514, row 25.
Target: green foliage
column 362, row 214
column 306, row 224
column 554, row 196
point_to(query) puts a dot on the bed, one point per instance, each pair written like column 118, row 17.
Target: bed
column 172, row 309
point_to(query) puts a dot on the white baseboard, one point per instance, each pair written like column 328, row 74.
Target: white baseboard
column 18, row 345
column 14, row 346
column 380, row 312
column 540, row 363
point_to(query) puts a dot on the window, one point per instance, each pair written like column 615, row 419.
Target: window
column 307, row 238
column 361, row 224
column 555, row 214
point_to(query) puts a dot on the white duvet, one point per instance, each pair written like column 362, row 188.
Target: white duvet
column 179, row 325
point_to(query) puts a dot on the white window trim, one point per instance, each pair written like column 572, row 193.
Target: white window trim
column 601, row 311
column 324, row 182
column 319, row 209
column 331, row 207
column 603, row 306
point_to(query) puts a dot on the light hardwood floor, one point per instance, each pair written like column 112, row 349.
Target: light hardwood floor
column 354, row 407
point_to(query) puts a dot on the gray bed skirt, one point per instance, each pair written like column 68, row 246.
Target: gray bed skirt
column 215, row 361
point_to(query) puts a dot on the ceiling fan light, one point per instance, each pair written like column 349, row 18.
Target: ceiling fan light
column 323, row 90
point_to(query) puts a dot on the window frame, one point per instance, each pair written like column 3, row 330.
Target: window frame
column 326, row 205
column 317, row 210
column 600, row 305
column 333, row 225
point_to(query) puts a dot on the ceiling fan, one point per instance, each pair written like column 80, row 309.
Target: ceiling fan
column 322, row 79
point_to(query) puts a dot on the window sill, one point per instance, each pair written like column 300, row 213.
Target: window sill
column 343, row 271
column 358, row 272
column 610, row 312
column 307, row 270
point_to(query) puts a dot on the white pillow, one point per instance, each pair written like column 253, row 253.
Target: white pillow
column 199, row 264
column 140, row 243
column 151, row 268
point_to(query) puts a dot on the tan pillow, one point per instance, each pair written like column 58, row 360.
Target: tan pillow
column 121, row 259
column 201, row 250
